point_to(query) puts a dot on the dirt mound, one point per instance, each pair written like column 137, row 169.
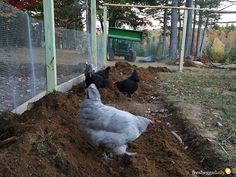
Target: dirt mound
column 120, row 65
column 159, row 69
column 51, row 142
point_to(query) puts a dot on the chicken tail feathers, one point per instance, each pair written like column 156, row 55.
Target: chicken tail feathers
column 134, row 76
column 108, row 68
column 106, row 71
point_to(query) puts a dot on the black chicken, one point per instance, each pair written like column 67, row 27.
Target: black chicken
column 99, row 78
column 129, row 85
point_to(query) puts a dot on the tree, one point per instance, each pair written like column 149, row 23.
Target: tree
column 174, row 31
column 163, row 20
column 180, row 20
column 165, row 30
column 193, row 32
column 199, row 33
column 216, row 51
column 122, row 13
column 205, row 18
column 189, row 3
column 68, row 13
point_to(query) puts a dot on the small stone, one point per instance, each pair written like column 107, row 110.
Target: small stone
column 30, row 106
column 162, row 110
column 219, row 124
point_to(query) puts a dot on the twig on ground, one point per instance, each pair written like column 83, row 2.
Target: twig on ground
column 223, row 148
column 177, row 137
column 8, row 141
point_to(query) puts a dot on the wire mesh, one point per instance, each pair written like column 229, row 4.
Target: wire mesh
column 72, row 51
column 22, row 58
column 100, row 51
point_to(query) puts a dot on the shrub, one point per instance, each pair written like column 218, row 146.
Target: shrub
column 216, row 51
column 232, row 54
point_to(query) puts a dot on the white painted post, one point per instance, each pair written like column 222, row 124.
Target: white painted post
column 48, row 9
column 93, row 33
column 181, row 60
column 105, row 33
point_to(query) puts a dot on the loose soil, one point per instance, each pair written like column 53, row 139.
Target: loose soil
column 48, row 140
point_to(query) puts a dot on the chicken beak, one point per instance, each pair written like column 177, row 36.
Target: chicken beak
column 150, row 127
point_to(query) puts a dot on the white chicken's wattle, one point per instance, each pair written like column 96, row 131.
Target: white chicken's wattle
column 107, row 126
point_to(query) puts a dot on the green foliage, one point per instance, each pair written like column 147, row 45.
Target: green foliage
column 123, row 13
column 226, row 29
column 232, row 54
column 216, row 51
column 227, row 61
column 213, row 17
column 209, row 51
column 69, row 14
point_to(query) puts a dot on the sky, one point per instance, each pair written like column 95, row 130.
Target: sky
column 224, row 17
column 228, row 17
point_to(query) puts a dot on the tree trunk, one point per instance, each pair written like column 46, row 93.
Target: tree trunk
column 101, row 21
column 193, row 33
column 204, row 31
column 199, row 34
column 164, row 34
column 189, row 3
column 88, row 17
column 174, row 31
column 179, row 31
column 112, row 22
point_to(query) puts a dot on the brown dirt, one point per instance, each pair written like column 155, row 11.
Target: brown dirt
column 51, row 142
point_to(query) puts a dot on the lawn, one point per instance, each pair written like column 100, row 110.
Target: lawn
column 212, row 90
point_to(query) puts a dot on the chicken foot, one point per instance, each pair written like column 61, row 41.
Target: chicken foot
column 130, row 154
column 106, row 157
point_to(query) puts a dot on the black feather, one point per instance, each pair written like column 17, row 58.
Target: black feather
column 99, row 78
column 129, row 85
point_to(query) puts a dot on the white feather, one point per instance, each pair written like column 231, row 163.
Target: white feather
column 108, row 126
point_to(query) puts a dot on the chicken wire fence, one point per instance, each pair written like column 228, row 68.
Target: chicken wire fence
column 154, row 46
column 22, row 56
column 151, row 49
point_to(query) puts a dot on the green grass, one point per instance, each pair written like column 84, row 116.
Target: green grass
column 213, row 90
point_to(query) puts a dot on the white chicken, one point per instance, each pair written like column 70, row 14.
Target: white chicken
column 109, row 127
